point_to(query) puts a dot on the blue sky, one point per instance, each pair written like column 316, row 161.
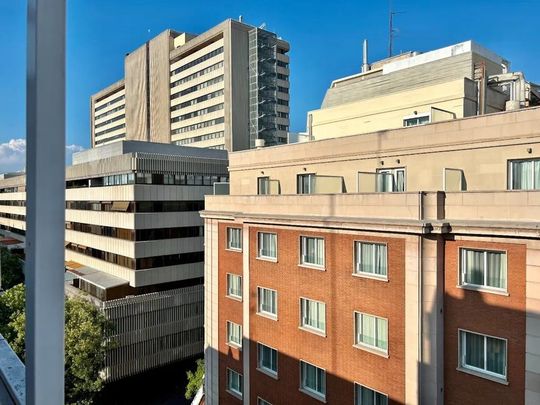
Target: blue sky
column 325, row 39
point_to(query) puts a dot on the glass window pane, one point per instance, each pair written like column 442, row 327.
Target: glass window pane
column 474, row 350
column 474, row 266
column 496, row 355
column 496, row 270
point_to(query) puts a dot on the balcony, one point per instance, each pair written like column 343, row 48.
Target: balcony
column 12, row 376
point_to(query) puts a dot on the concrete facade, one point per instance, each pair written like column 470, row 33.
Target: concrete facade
column 458, row 81
column 427, row 305
column 195, row 90
column 134, row 244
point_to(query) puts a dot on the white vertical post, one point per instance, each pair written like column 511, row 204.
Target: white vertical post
column 45, row 191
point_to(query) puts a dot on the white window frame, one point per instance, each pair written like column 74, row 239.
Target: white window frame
column 232, row 391
column 309, row 391
column 307, row 327
column 357, row 272
column 261, row 368
column 365, row 346
column 356, row 399
column 478, row 371
column 478, row 287
column 265, row 313
column 510, row 172
column 229, row 246
column 229, row 293
column 230, row 342
column 393, row 171
column 259, row 250
column 302, row 175
column 259, row 181
column 417, row 116
column 303, row 244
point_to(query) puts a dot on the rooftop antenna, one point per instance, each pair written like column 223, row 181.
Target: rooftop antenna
column 391, row 30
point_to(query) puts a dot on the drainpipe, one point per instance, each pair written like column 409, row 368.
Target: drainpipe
column 420, row 297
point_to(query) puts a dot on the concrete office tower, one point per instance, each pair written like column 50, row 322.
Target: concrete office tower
column 134, row 244
column 413, row 88
column 222, row 89
column 325, row 282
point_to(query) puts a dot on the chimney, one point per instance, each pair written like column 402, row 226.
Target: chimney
column 365, row 64
column 241, row 19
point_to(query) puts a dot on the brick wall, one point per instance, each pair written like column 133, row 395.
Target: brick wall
column 343, row 293
column 487, row 313
column 229, row 310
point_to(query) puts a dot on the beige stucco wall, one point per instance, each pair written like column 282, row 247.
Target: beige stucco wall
column 388, row 111
column 480, row 146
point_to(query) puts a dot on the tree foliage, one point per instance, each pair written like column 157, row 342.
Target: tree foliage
column 195, row 379
column 11, row 269
column 85, row 342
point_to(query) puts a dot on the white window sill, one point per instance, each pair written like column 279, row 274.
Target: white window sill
column 483, row 289
column 370, row 276
column 268, row 373
column 312, row 266
column 267, row 259
column 313, row 330
column 233, row 297
column 230, row 249
column 490, row 377
column 373, row 350
column 234, row 345
column 235, row 394
column 313, row 395
column 269, row 316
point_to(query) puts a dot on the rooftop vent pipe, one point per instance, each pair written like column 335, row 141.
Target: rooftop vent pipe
column 365, row 64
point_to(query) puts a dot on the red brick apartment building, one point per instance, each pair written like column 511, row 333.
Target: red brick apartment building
column 397, row 267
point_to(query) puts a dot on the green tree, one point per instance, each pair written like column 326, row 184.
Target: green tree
column 195, row 380
column 86, row 342
column 11, row 269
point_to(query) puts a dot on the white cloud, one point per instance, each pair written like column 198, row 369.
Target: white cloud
column 13, row 155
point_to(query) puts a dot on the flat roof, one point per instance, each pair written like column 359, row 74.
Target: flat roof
column 124, row 147
column 94, row 276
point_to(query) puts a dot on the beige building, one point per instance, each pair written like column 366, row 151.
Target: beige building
column 413, row 88
column 134, row 244
column 398, row 266
column 222, row 89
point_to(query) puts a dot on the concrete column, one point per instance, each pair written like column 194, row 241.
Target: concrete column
column 45, row 122
column 211, row 296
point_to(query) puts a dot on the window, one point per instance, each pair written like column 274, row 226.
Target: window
column 234, row 334
column 267, row 359
column 391, row 180
column 234, row 238
column 267, row 245
column 263, row 185
column 305, row 183
column 367, row 396
column 524, row 174
column 371, row 259
column 312, row 380
column 261, row 401
column 312, row 251
column 234, row 286
column 416, row 120
column 313, row 314
column 483, row 268
column 267, row 301
column 235, row 384
column 482, row 353
column 371, row 331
